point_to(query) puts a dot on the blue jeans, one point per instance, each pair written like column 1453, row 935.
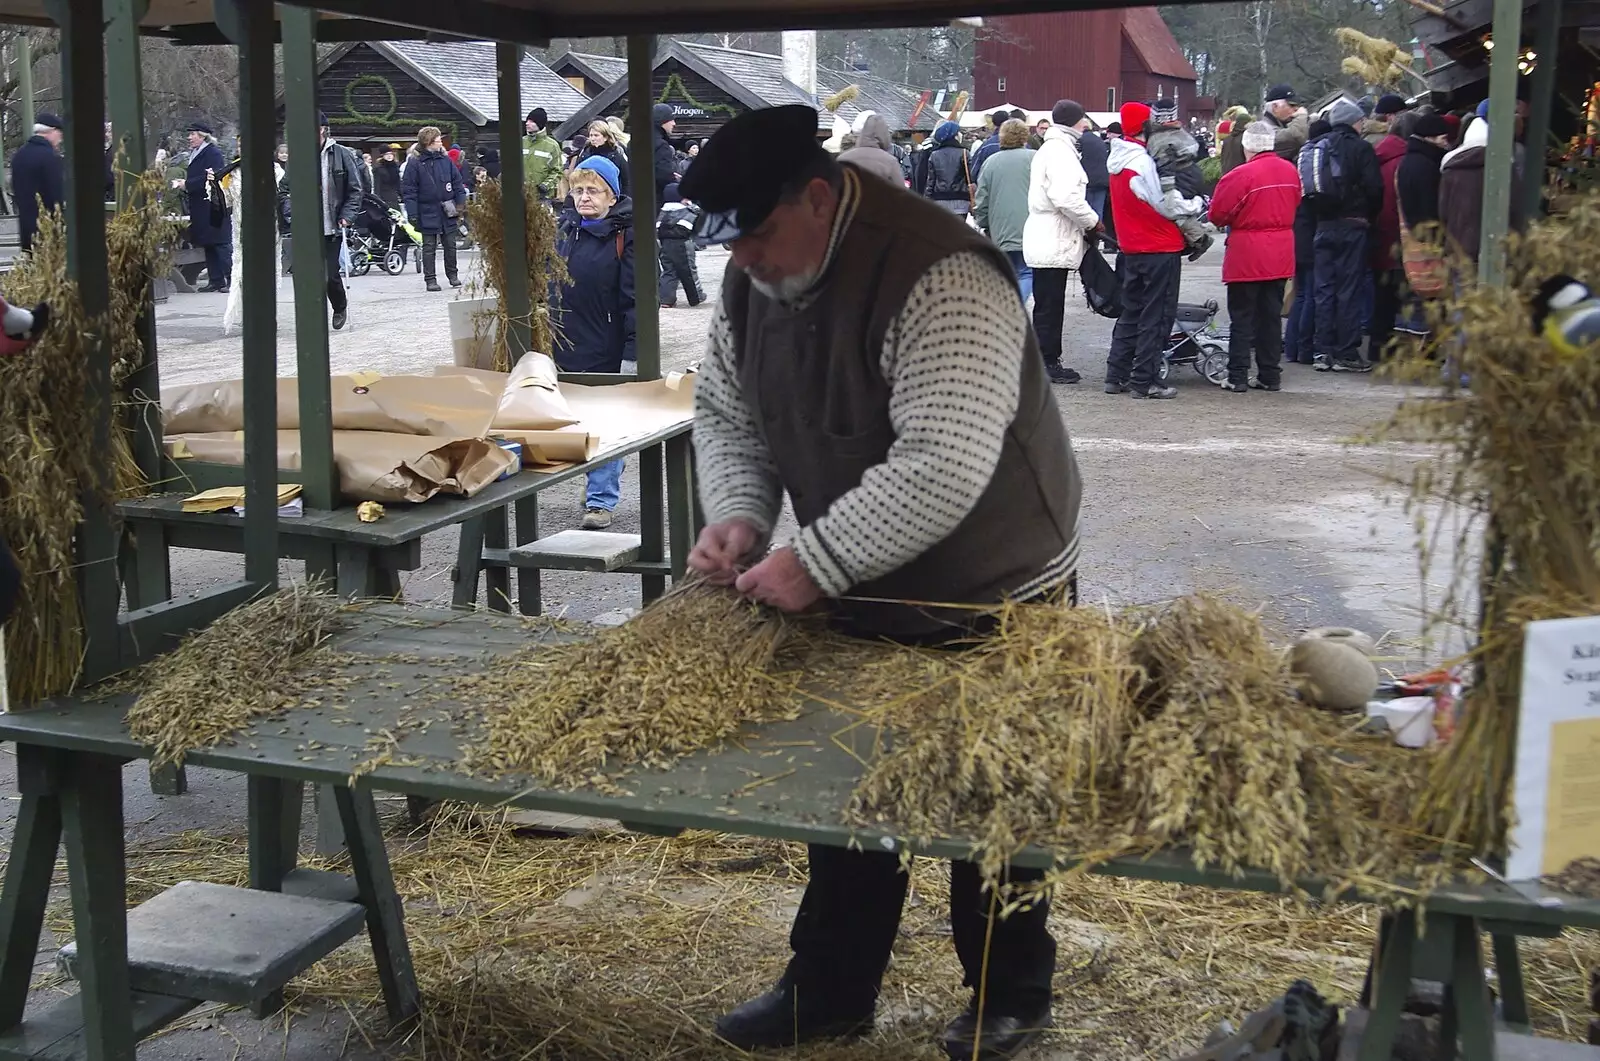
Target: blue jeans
column 1341, row 248
column 1024, row 274
column 1298, row 335
column 605, row 486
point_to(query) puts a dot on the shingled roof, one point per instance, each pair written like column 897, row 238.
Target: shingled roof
column 762, row 74
column 604, row 70
column 1157, row 48
column 463, row 73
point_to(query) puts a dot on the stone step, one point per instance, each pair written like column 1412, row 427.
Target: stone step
column 578, row 550
column 224, row 944
column 55, row 1033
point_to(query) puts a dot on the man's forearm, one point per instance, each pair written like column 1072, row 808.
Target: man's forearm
column 737, row 475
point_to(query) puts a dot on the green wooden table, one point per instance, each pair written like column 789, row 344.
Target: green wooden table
column 788, row 780
column 365, row 559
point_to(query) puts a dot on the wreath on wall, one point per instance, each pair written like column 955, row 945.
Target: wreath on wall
column 676, row 89
column 387, row 119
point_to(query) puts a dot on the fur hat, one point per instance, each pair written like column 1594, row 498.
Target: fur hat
column 1259, row 136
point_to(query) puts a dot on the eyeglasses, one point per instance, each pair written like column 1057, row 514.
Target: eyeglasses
column 587, row 193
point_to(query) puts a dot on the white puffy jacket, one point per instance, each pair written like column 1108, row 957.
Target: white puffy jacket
column 1058, row 210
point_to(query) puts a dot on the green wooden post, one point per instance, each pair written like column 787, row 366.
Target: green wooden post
column 250, row 26
column 25, row 82
column 83, row 96
column 1541, row 98
column 125, row 88
column 310, row 268
column 646, row 308
column 513, row 200
column 1502, row 118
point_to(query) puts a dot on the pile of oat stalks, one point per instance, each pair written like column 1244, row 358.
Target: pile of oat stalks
column 624, row 946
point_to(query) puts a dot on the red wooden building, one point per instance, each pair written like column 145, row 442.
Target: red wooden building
column 1102, row 59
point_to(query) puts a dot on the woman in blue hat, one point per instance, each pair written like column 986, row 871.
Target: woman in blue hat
column 593, row 313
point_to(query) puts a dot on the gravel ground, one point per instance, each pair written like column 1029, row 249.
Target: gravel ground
column 1258, row 495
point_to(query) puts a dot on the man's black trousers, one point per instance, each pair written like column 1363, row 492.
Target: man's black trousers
column 1149, row 306
column 851, row 912
column 677, row 267
column 331, row 245
column 1255, row 326
column 1340, row 248
column 1388, row 294
column 1049, row 307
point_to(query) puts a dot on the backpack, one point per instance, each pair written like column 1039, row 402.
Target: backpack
column 1102, row 285
column 1321, row 178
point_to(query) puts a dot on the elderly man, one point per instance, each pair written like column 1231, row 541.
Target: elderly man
column 1059, row 221
column 870, row 356
column 341, row 201
column 37, row 179
column 1289, row 120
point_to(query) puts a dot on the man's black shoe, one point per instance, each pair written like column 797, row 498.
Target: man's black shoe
column 998, row 1037
column 1257, row 385
column 1352, row 365
column 1237, row 388
column 780, row 1018
column 1059, row 373
column 1156, row 391
column 338, row 319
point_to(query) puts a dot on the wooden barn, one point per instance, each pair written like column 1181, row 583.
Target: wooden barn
column 1102, row 59
column 707, row 85
column 590, row 74
column 381, row 92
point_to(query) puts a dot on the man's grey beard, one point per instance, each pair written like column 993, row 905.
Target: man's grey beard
column 788, row 289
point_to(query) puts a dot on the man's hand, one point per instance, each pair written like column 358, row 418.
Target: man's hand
column 780, row 581
column 722, row 548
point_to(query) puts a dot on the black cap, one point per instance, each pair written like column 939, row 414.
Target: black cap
column 660, row 114
column 1115, row 127
column 1389, row 103
column 1067, row 112
column 1283, row 92
column 51, row 121
column 194, row 127
column 742, row 170
column 1430, row 125
column 538, row 117
column 322, row 119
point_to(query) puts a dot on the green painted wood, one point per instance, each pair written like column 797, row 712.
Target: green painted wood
column 1513, row 992
column 513, row 200
column 192, row 476
column 125, row 95
column 150, row 579
column 83, row 103
column 469, row 563
column 599, row 379
column 150, row 631
column 24, row 896
column 483, row 21
column 652, row 520
column 91, row 818
column 227, row 538
column 1390, row 985
column 369, row 863
column 251, row 26
column 1473, row 1010
column 646, row 266
column 681, row 532
column 57, row 1032
column 1498, row 158
column 310, row 268
column 530, row 599
column 577, row 550
column 1541, row 101
column 496, row 580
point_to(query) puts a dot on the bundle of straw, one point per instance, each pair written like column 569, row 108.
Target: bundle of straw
column 249, row 664
column 683, row 675
column 1518, row 475
column 1374, row 60
column 486, row 217
column 840, row 98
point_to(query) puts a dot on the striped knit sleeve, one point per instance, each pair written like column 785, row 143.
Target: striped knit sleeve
column 953, row 359
column 737, row 475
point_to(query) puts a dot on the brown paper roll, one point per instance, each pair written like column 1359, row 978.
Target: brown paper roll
column 450, row 407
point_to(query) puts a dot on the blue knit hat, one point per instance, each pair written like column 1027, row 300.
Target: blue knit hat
column 946, row 132
column 1483, row 110
column 607, row 170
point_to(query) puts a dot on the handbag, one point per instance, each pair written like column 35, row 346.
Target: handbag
column 1426, row 270
column 1102, row 285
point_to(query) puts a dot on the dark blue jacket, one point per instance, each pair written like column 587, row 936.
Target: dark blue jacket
column 429, row 181
column 202, row 233
column 987, row 148
column 35, row 171
column 593, row 314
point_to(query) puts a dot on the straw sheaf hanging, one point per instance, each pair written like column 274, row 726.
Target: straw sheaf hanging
column 1517, row 493
column 486, row 218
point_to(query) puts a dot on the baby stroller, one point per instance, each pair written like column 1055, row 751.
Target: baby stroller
column 385, row 237
column 1196, row 340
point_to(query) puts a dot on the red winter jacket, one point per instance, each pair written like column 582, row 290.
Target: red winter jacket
column 1257, row 202
column 1385, row 245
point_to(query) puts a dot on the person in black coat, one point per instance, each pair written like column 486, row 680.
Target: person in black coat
column 665, row 158
column 490, row 157
column 37, row 179
column 1417, row 180
column 208, row 231
column 601, row 142
column 947, row 178
column 435, row 196
column 341, row 203
column 1344, row 216
column 593, row 313
column 386, row 178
